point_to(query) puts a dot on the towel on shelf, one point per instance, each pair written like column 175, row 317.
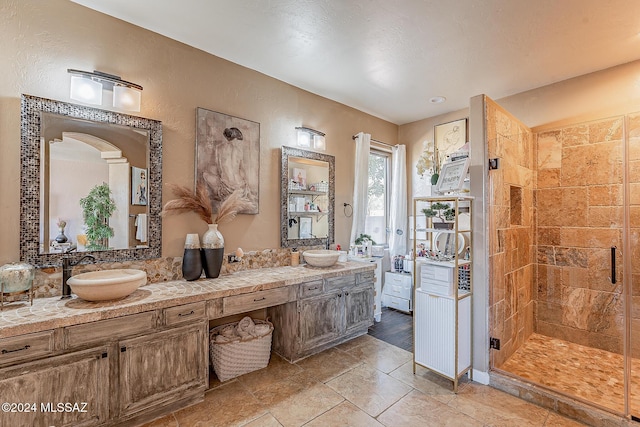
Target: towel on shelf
column 141, row 227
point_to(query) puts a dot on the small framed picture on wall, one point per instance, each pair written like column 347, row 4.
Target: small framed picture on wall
column 139, row 187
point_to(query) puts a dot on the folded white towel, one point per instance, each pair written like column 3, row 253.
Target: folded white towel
column 261, row 330
column 229, row 331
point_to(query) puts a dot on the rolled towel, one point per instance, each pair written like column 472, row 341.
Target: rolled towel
column 245, row 327
column 229, row 331
column 261, row 330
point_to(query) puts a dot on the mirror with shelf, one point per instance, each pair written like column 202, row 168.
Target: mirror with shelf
column 67, row 152
column 307, row 198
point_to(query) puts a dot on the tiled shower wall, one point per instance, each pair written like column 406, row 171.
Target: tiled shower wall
column 511, row 231
column 580, row 217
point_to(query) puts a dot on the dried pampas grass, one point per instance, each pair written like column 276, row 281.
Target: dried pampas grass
column 199, row 203
column 189, row 201
column 229, row 208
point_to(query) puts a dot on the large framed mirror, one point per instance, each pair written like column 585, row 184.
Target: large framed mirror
column 307, row 197
column 79, row 161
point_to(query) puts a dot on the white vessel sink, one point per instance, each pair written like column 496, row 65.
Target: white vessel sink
column 321, row 257
column 107, row 285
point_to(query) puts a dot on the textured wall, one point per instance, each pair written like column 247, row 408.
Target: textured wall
column 39, row 40
column 511, row 230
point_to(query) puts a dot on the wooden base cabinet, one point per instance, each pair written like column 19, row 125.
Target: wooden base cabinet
column 327, row 312
column 69, row 390
column 162, row 368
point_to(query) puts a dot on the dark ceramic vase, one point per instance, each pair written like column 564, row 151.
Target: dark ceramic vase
column 212, row 261
column 61, row 238
column 191, row 264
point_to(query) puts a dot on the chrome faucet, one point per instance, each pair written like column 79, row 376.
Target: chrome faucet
column 327, row 246
column 67, row 269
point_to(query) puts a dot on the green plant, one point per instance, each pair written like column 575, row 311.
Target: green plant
column 362, row 238
column 97, row 208
column 440, row 210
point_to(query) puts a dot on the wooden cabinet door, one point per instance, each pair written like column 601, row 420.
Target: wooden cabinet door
column 358, row 308
column 159, row 368
column 320, row 320
column 68, row 390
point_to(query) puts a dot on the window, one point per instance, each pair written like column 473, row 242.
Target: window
column 377, row 220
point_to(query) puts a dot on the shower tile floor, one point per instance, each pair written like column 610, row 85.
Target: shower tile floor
column 587, row 373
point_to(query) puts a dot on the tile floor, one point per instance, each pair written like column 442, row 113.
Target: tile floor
column 364, row 382
column 584, row 372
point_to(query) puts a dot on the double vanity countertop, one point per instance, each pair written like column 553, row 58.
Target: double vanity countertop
column 20, row 318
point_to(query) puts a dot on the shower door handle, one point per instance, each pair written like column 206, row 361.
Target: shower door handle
column 613, row 264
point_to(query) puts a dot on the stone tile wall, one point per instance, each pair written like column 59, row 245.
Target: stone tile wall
column 511, row 231
column 579, row 201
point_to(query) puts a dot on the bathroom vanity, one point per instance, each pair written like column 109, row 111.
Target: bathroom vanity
column 76, row 363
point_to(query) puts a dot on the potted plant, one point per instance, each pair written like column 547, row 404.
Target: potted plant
column 443, row 211
column 97, row 208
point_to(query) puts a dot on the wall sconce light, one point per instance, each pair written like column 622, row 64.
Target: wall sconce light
column 306, row 136
column 87, row 87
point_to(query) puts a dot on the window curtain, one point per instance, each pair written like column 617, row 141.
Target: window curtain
column 398, row 208
column 360, row 185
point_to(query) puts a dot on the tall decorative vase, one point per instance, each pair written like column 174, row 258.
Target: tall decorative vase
column 212, row 251
column 192, row 260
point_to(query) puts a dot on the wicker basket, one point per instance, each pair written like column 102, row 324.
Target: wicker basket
column 232, row 359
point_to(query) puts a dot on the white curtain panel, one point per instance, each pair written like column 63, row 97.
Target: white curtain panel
column 360, row 185
column 398, row 208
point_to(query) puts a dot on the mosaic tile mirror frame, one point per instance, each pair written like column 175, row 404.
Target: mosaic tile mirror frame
column 32, row 109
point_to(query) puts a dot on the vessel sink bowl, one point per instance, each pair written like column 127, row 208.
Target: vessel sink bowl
column 105, row 285
column 321, row 257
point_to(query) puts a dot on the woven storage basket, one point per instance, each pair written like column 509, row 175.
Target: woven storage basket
column 232, row 359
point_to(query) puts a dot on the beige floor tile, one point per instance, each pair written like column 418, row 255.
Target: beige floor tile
column 369, row 389
column 329, row 364
column 418, row 409
column 298, row 399
column 382, row 356
column 277, row 369
column 266, row 420
column 357, row 342
column 167, row 421
column 555, row 420
column 496, row 408
column 345, row 414
column 228, row 405
column 427, row 382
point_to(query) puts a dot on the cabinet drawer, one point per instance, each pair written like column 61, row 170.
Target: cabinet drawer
column 334, row 283
column 256, row 300
column 310, row 289
column 436, row 272
column 107, row 330
column 24, row 347
column 399, row 279
column 365, row 277
column 403, row 290
column 437, row 287
column 184, row 313
column 397, row 303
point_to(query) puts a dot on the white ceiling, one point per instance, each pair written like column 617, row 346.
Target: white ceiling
column 388, row 57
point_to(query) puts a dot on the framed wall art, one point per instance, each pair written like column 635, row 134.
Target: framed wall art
column 139, row 187
column 449, row 138
column 227, row 157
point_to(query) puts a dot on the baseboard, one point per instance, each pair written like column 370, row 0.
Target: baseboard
column 481, row 377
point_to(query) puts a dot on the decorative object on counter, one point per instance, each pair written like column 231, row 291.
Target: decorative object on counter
column 241, row 347
column 443, row 211
column 192, row 259
column 61, row 238
column 236, row 257
column 97, row 208
column 227, row 158
column 295, row 257
column 16, row 278
column 199, row 203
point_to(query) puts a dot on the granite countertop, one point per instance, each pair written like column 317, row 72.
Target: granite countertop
column 48, row 313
